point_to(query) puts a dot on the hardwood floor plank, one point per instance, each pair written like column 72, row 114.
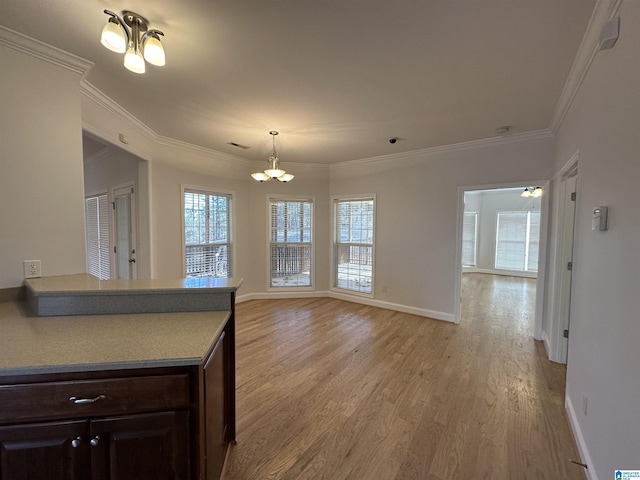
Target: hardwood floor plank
column 328, row 389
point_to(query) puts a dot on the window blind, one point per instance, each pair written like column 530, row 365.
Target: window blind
column 517, row 241
column 97, row 236
column 290, row 242
column 207, row 234
column 353, row 244
column 469, row 239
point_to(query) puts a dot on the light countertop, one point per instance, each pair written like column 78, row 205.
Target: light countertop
column 31, row 344
column 86, row 284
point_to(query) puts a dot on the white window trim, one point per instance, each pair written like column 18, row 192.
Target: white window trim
column 209, row 191
column 333, row 287
column 294, row 288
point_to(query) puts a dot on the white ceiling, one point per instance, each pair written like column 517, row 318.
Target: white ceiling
column 337, row 78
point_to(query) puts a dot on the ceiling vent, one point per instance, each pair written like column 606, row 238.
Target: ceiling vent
column 234, row 144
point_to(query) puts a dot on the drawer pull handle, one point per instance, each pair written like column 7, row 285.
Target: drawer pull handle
column 81, row 401
column 75, row 443
column 94, row 441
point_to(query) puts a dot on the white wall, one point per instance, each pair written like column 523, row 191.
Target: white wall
column 41, row 192
column 603, row 124
column 417, row 206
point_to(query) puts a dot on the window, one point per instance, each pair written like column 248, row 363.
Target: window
column 290, row 242
column 96, row 211
column 207, row 234
column 469, row 236
column 517, row 241
column 353, row 244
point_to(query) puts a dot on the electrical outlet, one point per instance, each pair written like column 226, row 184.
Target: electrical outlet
column 32, row 269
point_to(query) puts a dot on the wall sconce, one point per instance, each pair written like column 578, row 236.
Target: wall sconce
column 131, row 35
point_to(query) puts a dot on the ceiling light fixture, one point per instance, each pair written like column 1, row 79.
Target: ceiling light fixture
column 273, row 166
column 532, row 192
column 131, row 35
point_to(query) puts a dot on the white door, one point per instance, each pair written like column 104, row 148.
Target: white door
column 567, row 261
column 124, row 202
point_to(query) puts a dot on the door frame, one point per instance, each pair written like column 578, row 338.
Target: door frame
column 559, row 294
column 542, row 253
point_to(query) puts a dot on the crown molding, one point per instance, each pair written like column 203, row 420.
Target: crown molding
column 40, row 50
column 603, row 11
column 190, row 147
column 97, row 96
column 456, row 147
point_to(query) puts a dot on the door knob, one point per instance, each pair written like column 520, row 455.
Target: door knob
column 75, row 443
column 94, row 441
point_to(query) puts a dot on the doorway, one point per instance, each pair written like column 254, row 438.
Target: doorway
column 123, row 177
column 502, row 233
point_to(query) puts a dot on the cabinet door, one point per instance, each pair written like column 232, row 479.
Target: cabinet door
column 141, row 447
column 216, row 419
column 52, row 451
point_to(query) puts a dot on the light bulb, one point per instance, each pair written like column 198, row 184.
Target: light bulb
column 274, row 172
column 153, row 51
column 113, row 37
column 133, row 60
column 287, row 177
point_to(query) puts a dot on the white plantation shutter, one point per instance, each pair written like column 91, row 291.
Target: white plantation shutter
column 353, row 244
column 469, row 239
column 517, row 240
column 97, row 236
column 290, row 242
column 207, row 234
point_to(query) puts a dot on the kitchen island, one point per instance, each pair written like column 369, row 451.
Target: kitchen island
column 143, row 394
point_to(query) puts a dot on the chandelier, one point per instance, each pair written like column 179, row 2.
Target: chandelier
column 532, row 192
column 273, row 166
column 131, row 35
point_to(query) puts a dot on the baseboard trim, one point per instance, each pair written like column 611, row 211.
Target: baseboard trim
column 12, row 294
column 577, row 435
column 421, row 312
column 506, row 273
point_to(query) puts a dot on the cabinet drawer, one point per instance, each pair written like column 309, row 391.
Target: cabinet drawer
column 87, row 398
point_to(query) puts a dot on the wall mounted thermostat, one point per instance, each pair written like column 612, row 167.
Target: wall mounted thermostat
column 599, row 220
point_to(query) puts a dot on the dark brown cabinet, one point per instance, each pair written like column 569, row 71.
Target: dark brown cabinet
column 43, row 451
column 165, row 423
column 142, row 447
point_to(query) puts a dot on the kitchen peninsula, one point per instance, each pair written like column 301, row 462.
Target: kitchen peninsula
column 117, row 379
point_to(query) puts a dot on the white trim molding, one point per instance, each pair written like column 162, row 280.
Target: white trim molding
column 579, row 438
column 35, row 48
column 603, row 11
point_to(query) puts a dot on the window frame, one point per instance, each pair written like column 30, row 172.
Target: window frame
column 292, row 198
column 230, row 229
column 335, row 200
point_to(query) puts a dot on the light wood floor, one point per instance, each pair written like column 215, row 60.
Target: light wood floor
column 335, row 390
